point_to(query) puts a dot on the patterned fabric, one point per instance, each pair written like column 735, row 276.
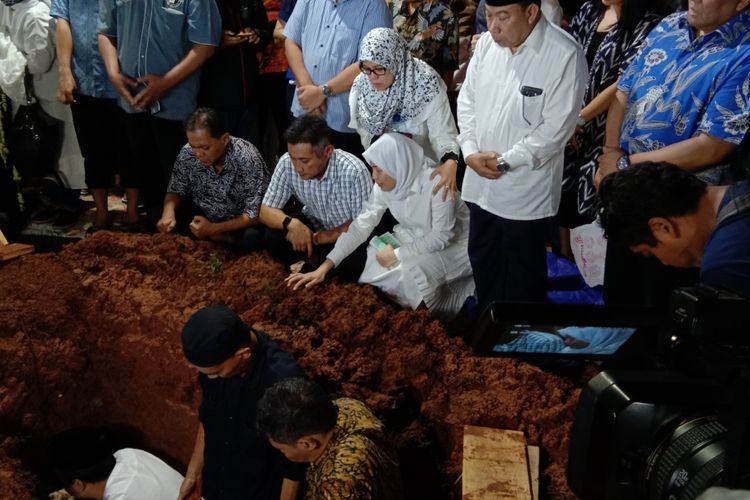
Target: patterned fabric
column 238, row 189
column 431, row 32
column 329, row 33
column 358, row 463
column 611, row 59
column 415, row 83
column 328, row 202
column 87, row 64
column 682, row 85
column 273, row 59
column 154, row 36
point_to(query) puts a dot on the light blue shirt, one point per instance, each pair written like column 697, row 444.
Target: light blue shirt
column 87, row 65
column 329, row 34
column 682, row 85
column 153, row 36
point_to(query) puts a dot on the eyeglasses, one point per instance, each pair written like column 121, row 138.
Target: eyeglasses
column 378, row 71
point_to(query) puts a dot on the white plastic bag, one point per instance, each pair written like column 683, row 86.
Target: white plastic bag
column 589, row 250
column 12, row 70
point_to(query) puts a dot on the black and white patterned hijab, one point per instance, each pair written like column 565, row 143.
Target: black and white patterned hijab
column 415, row 82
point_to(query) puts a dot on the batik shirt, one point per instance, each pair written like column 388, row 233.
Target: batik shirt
column 431, row 32
column 682, row 85
column 238, row 189
column 358, row 462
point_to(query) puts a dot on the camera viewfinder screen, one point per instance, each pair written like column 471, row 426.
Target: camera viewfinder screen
column 543, row 339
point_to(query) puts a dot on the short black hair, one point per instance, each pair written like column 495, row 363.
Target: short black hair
column 308, row 129
column 208, row 119
column 628, row 199
column 83, row 453
column 293, row 408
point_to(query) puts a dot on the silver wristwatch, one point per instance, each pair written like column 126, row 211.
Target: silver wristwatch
column 623, row 162
column 327, row 91
column 503, row 166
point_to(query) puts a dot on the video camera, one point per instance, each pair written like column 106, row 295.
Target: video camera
column 674, row 429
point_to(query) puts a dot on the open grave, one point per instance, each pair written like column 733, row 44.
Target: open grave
column 91, row 336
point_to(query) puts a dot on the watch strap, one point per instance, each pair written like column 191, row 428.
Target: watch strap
column 287, row 221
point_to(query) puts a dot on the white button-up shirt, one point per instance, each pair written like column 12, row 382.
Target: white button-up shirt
column 528, row 131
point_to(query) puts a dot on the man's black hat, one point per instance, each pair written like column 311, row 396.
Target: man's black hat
column 212, row 335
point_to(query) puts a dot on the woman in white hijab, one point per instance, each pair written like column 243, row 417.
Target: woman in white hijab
column 396, row 92
column 431, row 264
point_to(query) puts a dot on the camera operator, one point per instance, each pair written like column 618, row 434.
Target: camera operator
column 657, row 209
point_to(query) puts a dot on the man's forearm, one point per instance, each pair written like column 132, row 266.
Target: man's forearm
column 194, row 59
column 289, row 489
column 172, row 202
column 64, row 42
column 343, row 81
column 195, row 468
column 691, row 154
column 240, row 222
column 273, row 218
column 297, row 63
column 108, row 50
column 615, row 118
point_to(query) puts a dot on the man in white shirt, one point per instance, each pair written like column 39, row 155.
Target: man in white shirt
column 82, row 459
column 516, row 110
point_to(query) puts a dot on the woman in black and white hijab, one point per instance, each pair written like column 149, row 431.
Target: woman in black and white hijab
column 398, row 93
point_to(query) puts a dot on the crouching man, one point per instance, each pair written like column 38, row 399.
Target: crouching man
column 217, row 185
column 345, row 445
column 236, row 365
column 88, row 467
column 657, row 209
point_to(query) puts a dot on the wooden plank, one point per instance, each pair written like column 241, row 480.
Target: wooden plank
column 533, row 454
column 495, row 465
column 14, row 250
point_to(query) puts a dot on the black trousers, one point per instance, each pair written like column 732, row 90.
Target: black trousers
column 99, row 125
column 274, row 106
column 244, row 241
column 508, row 257
column 350, row 269
column 154, row 145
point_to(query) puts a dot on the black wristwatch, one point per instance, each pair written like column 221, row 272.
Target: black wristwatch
column 327, row 90
column 287, row 221
column 503, row 166
column 623, row 162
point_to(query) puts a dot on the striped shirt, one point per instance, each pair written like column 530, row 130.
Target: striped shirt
column 329, row 33
column 328, row 202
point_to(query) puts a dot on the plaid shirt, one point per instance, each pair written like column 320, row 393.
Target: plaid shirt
column 237, row 189
column 329, row 201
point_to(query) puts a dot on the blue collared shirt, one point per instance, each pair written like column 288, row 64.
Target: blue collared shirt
column 682, row 85
column 86, row 63
column 153, row 36
column 329, row 33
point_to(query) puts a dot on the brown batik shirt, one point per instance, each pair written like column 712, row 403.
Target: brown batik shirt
column 358, row 463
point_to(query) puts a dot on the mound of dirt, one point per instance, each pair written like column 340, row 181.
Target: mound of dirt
column 91, row 336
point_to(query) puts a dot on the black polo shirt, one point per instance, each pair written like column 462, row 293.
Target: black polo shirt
column 240, row 464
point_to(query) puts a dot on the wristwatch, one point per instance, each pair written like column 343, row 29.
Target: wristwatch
column 623, row 162
column 287, row 221
column 503, row 166
column 581, row 121
column 327, row 90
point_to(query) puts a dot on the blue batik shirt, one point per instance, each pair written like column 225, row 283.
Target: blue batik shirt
column 682, row 85
column 153, row 36
column 86, row 63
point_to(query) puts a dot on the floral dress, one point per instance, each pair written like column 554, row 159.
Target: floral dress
column 431, row 32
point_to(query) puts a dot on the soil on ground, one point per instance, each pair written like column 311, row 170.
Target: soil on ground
column 91, row 335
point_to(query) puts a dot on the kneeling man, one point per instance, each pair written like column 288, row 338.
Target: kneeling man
column 217, row 185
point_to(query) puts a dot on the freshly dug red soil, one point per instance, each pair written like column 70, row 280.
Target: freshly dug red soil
column 91, row 336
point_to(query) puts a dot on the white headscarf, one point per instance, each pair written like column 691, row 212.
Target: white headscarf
column 415, row 82
column 401, row 158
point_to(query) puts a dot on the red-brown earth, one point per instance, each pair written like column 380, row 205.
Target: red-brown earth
column 91, row 336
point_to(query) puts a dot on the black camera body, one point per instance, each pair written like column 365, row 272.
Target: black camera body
column 671, row 431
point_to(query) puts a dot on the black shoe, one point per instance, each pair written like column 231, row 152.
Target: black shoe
column 66, row 219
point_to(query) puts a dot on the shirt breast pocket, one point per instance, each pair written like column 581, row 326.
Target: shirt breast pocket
column 532, row 106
